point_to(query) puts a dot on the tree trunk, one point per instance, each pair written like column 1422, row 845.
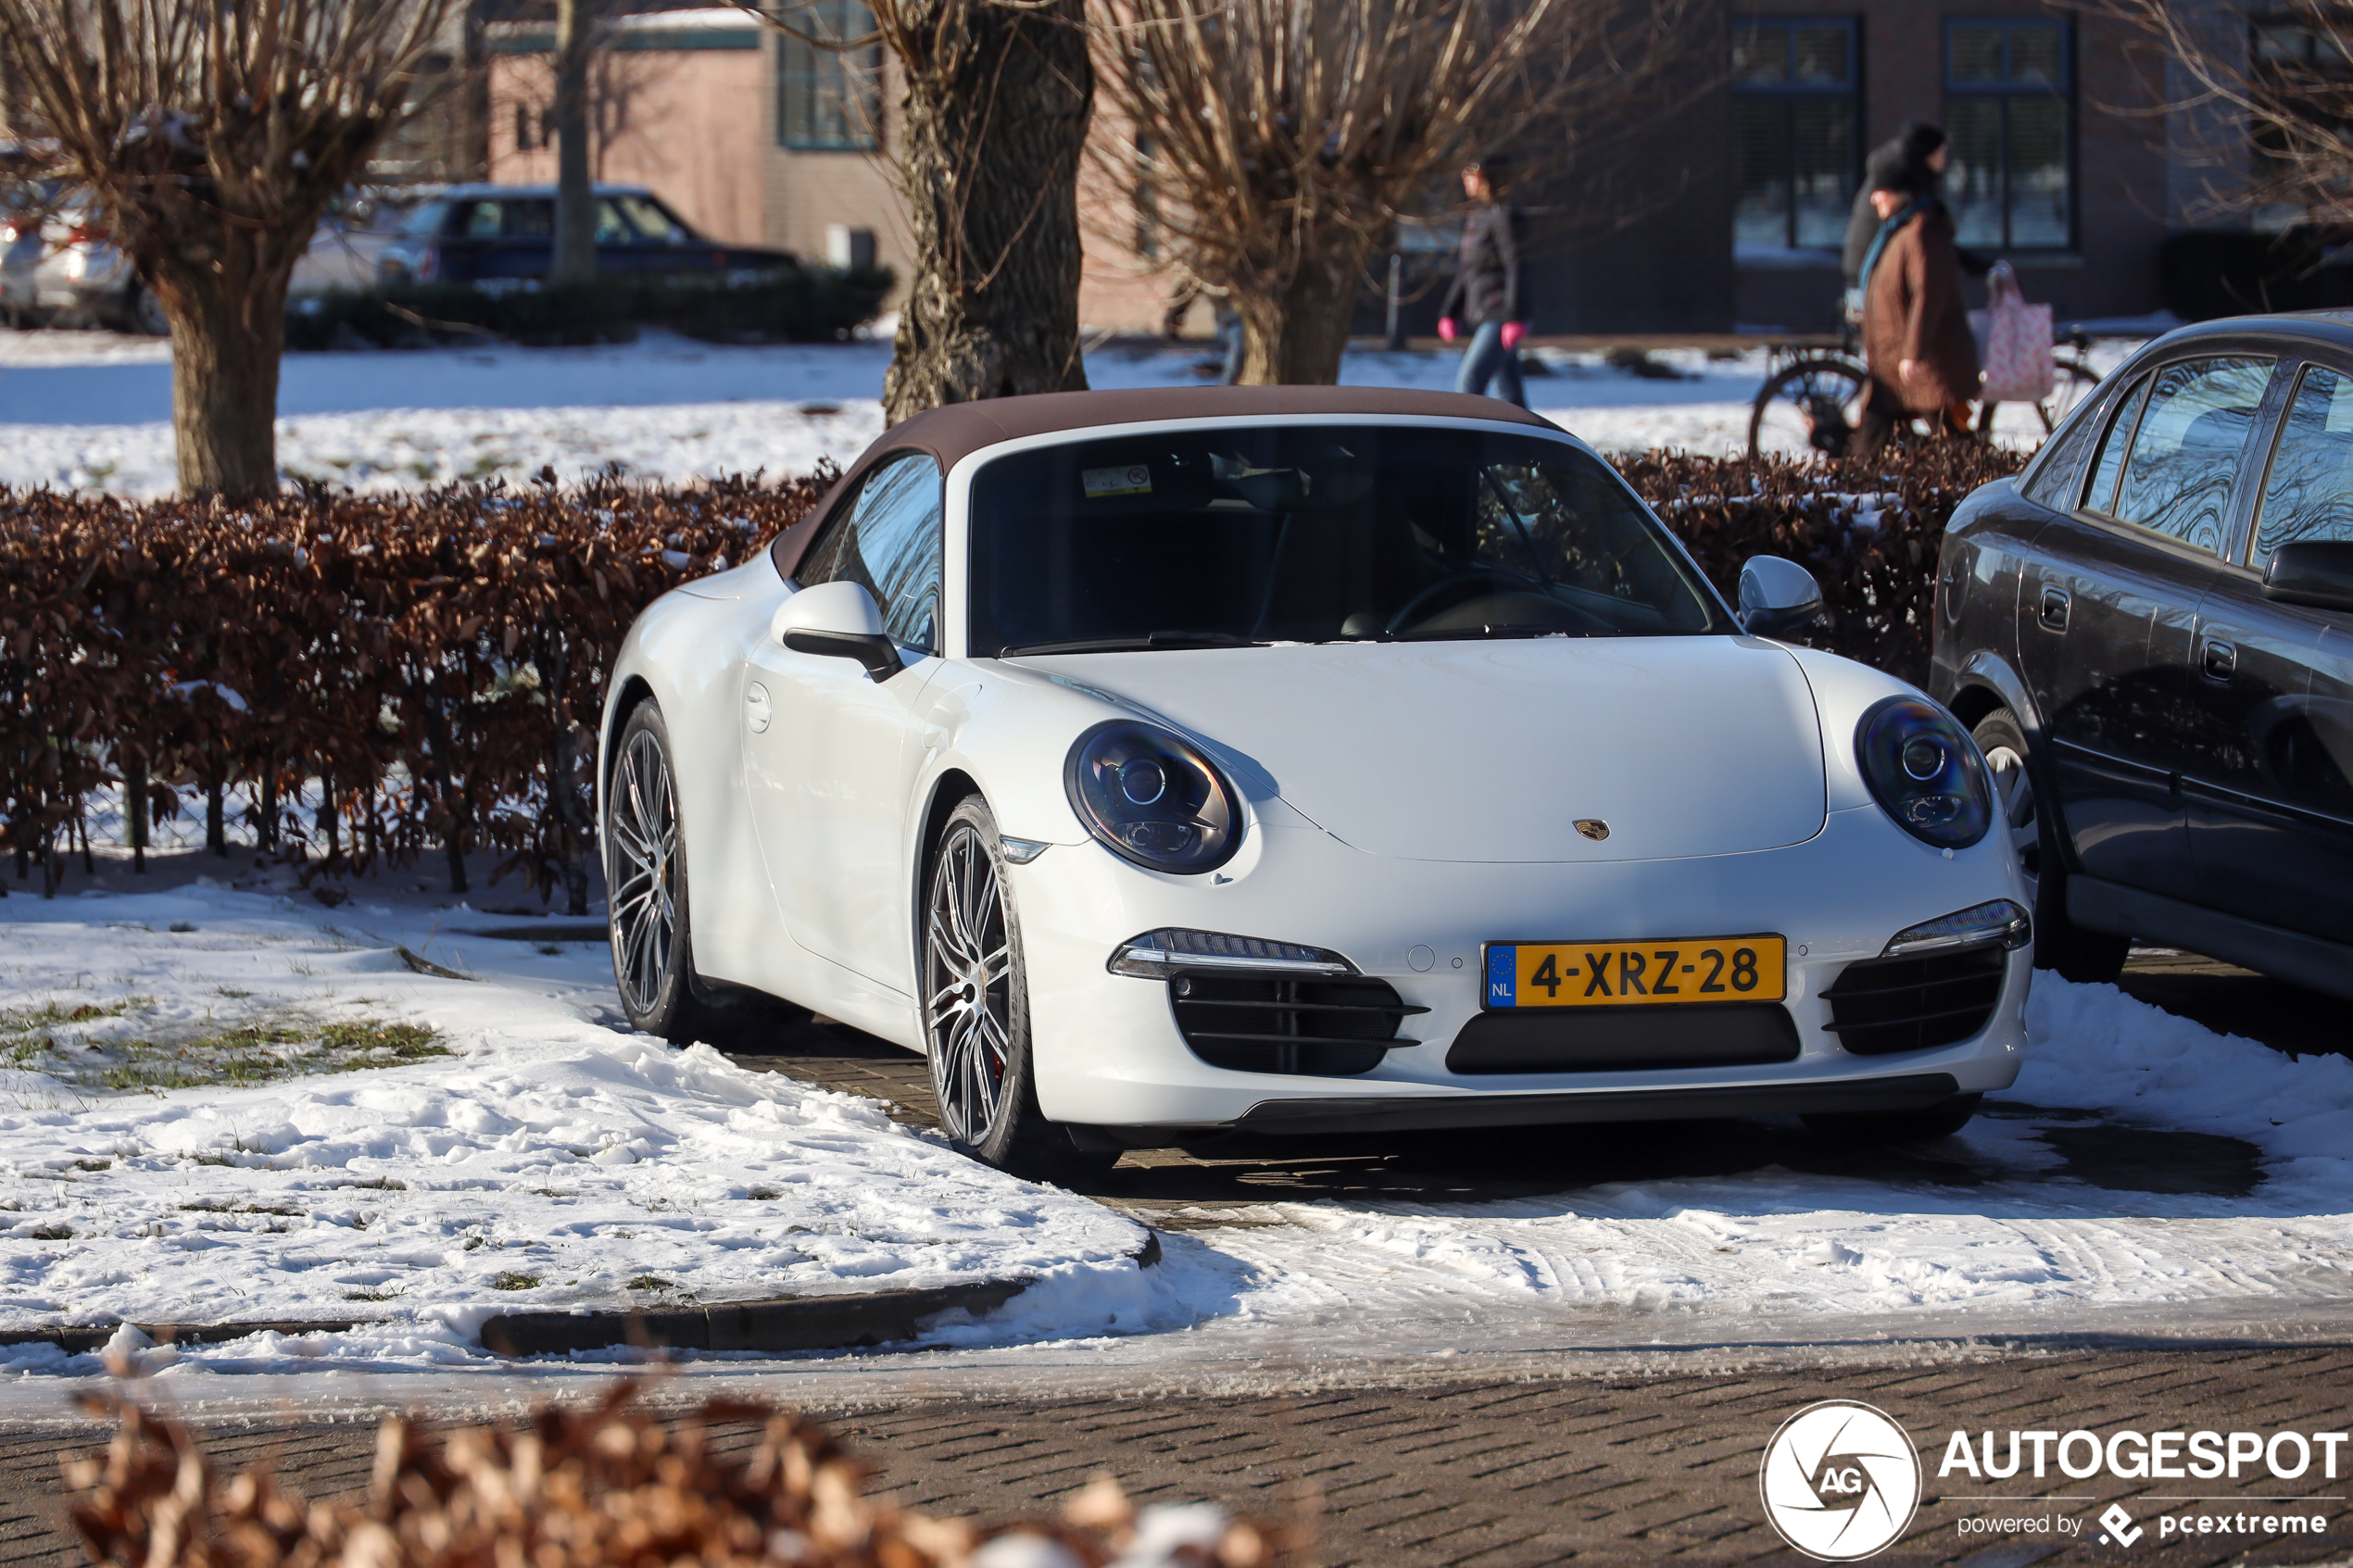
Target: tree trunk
column 994, row 123
column 227, row 331
column 1294, row 336
column 575, row 255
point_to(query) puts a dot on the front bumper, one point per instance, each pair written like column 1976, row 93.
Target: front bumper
column 1109, row 1052
column 1399, row 1113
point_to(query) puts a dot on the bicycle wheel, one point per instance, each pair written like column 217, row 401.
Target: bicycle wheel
column 1808, row 408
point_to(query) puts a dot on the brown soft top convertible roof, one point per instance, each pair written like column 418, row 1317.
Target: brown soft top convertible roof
column 960, row 428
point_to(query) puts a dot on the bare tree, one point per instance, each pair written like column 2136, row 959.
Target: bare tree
column 1282, row 141
column 210, row 138
column 574, row 260
column 2266, row 101
column 992, row 127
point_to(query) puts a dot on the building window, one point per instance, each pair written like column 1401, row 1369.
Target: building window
column 1796, row 108
column 2010, row 110
column 830, row 98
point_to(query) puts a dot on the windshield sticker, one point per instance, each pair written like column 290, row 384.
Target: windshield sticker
column 1134, row 478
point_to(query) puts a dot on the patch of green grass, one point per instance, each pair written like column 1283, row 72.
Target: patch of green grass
column 649, row 1281
column 403, row 1042
column 279, row 1209
column 371, row 1295
column 377, row 1183
column 514, row 1279
column 762, row 1194
column 51, row 1233
column 94, row 1164
column 472, row 1242
column 259, row 1049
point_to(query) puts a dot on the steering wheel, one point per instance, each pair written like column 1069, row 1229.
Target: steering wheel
column 1413, row 607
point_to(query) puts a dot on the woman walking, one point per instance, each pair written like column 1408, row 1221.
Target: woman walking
column 1915, row 331
column 1488, row 294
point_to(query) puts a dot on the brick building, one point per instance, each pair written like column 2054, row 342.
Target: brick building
column 1729, row 211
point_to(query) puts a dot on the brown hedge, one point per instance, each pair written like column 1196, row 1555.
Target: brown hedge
column 1869, row 532
column 436, row 661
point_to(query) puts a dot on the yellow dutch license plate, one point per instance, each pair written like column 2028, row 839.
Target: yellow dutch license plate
column 1658, row 973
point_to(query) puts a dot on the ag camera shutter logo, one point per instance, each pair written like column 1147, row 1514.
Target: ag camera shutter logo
column 1840, row 1481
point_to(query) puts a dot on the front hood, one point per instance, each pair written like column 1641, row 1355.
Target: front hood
column 1495, row 750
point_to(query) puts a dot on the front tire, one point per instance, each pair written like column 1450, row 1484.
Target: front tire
column 975, row 1000
column 2088, row 957
column 653, row 958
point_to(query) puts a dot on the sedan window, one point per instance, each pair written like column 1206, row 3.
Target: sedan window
column 653, row 222
column 613, row 226
column 2309, row 492
column 890, row 543
column 2177, row 477
column 1318, row 534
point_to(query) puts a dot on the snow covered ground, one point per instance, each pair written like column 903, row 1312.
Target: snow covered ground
column 214, row 1107
column 90, row 410
column 550, row 1161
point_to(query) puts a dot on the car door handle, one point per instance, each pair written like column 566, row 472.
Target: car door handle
column 2055, row 603
column 2216, row 659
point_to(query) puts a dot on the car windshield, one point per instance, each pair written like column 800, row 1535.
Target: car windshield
column 427, row 219
column 1316, row 533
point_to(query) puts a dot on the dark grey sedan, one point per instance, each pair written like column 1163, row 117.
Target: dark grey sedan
column 2151, row 632
column 476, row 233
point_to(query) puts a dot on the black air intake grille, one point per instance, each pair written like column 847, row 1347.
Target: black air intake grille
column 1624, row 1039
column 1881, row 1006
column 1265, row 1023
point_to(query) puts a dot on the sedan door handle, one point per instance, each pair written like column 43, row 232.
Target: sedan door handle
column 2216, row 659
column 2055, row 603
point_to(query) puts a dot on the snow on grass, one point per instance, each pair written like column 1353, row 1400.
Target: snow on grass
column 90, row 410
column 420, row 1153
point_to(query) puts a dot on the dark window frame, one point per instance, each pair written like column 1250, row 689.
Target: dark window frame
column 846, row 511
column 2290, row 377
column 2140, row 397
column 2006, row 91
column 809, row 76
column 1789, row 94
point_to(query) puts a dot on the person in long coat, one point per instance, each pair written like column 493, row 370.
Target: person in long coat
column 1916, row 333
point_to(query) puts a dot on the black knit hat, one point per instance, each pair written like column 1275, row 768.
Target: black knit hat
column 1891, row 169
column 1921, row 139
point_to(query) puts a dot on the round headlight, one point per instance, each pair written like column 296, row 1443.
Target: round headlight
column 1924, row 772
column 1152, row 799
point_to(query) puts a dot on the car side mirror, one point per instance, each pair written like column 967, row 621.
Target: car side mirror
column 838, row 620
column 1777, row 596
column 2316, row 571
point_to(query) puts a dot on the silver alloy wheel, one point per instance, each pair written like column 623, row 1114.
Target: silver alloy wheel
column 2017, row 788
column 967, row 986
column 644, row 839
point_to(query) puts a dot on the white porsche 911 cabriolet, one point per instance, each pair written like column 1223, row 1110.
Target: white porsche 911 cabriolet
column 1300, row 759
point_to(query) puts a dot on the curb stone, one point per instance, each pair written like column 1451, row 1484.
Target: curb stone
column 807, row 1323
column 804, row 1322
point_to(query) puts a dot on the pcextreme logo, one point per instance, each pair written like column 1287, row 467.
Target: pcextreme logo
column 1840, row 1481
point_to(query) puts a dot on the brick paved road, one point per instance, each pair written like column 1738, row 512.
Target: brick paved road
column 1498, row 1474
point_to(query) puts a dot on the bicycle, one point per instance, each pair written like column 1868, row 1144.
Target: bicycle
column 1810, row 394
